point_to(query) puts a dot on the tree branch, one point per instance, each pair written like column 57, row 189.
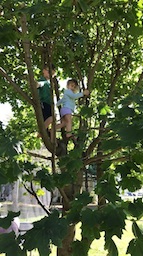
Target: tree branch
column 138, row 83
column 92, row 69
column 33, row 193
column 37, row 107
column 16, row 87
column 103, row 157
column 49, row 57
column 92, row 146
column 39, row 156
column 79, row 74
column 112, row 87
column 63, row 194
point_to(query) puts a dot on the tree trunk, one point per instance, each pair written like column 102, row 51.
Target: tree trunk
column 71, row 191
column 66, row 249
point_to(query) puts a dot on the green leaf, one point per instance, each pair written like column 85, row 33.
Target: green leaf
column 86, row 112
column 6, row 222
column 81, row 200
column 83, row 5
column 112, row 143
column 77, row 205
column 66, row 2
column 3, row 178
column 131, row 183
column 135, row 247
column 107, row 188
column 136, row 230
column 104, row 109
column 7, row 34
column 74, row 165
column 63, row 179
column 103, row 112
column 91, row 220
column 111, row 247
column 10, row 246
column 106, row 164
column 136, row 208
column 49, row 229
column 8, row 146
column 91, row 217
column 137, row 157
column 113, row 221
column 46, row 179
column 80, row 248
column 9, row 170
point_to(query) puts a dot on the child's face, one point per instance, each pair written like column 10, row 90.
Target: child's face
column 72, row 87
column 46, row 73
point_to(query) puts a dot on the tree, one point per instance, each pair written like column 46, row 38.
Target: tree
column 100, row 43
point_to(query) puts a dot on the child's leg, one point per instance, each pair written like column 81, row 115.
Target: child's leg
column 48, row 121
column 62, row 124
column 58, row 126
column 68, row 121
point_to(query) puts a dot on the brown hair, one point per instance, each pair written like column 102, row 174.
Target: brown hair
column 73, row 81
column 47, row 67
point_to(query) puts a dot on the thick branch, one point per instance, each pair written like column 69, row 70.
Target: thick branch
column 56, row 86
column 103, row 157
column 92, row 146
column 63, row 194
column 37, row 108
column 16, row 87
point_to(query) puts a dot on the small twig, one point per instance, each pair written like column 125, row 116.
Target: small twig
column 33, row 193
column 39, row 156
column 49, row 53
column 108, row 42
column 79, row 74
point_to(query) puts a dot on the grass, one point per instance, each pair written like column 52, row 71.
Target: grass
column 97, row 246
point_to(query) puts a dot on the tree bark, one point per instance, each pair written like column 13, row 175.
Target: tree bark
column 66, row 249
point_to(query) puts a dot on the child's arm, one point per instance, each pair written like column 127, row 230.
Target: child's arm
column 76, row 95
column 73, row 95
column 37, row 84
column 40, row 84
column 59, row 102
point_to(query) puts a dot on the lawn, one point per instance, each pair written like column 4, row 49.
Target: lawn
column 97, row 247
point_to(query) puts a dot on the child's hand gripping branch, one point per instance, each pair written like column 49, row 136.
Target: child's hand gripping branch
column 68, row 106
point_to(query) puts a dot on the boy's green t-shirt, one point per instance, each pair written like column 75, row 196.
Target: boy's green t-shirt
column 44, row 91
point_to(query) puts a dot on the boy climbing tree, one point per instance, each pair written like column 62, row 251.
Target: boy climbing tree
column 43, row 86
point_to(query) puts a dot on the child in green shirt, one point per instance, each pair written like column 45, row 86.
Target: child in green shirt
column 43, row 86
